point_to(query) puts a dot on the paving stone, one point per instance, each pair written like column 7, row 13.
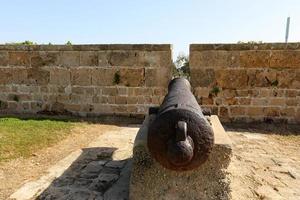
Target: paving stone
column 109, row 170
column 82, row 182
column 93, row 167
column 63, row 181
column 103, row 182
column 79, row 195
column 116, row 164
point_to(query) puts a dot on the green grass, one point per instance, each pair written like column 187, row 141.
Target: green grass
column 21, row 138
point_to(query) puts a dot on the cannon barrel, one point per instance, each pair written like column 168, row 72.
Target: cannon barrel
column 180, row 137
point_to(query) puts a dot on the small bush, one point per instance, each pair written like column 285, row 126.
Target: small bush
column 117, row 78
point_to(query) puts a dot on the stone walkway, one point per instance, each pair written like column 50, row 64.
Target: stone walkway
column 100, row 171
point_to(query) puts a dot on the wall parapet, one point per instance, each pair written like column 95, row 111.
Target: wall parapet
column 248, row 82
column 86, row 80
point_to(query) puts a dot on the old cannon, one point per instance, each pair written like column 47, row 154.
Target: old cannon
column 180, row 137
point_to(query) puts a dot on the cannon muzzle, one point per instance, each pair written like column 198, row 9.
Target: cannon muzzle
column 180, row 138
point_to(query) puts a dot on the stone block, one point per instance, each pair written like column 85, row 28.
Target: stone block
column 88, row 58
column 70, row 58
column 39, row 76
column 121, row 100
column 159, row 91
column 286, row 78
column 285, row 59
column 81, row 76
column 202, row 92
column 255, row 111
column 244, row 101
column 19, row 58
column 214, row 59
column 5, row 76
column 103, row 76
column 122, row 58
column 255, row 59
column 287, row 112
column 132, row 77
column 292, row 102
column 233, row 79
column 19, row 75
column 271, row 111
column 262, row 78
column 72, row 107
column 45, row 58
column 111, row 91
column 260, row 101
column 132, row 100
column 149, row 180
column 60, row 76
column 203, row 77
column 156, row 59
column 157, row 77
column 103, row 59
column 277, row 101
column 4, row 58
column 237, row 111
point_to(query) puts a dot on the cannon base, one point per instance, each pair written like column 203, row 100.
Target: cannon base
column 149, row 180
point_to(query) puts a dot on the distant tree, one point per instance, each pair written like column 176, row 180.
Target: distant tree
column 181, row 66
column 26, row 42
column 69, row 43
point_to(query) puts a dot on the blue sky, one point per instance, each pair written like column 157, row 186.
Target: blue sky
column 147, row 21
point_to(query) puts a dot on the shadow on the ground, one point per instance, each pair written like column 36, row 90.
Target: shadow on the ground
column 265, row 128
column 94, row 175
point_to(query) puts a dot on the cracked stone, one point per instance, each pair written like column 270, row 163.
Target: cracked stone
column 103, row 182
column 79, row 195
column 93, row 167
column 108, row 170
column 82, row 182
column 116, row 164
column 63, row 181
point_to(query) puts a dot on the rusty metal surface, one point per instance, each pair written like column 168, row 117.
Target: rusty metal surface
column 180, row 138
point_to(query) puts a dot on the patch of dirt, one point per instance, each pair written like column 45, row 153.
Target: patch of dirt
column 265, row 166
column 15, row 173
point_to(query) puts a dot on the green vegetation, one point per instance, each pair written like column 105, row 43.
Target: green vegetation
column 117, row 78
column 26, row 42
column 16, row 98
column 21, row 138
column 215, row 91
column 181, row 66
column 69, row 43
column 274, row 83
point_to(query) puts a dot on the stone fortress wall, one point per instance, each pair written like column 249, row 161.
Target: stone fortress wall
column 85, row 80
column 239, row 82
column 248, row 82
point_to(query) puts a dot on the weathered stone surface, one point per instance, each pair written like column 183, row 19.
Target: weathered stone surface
column 215, row 59
column 232, row 78
column 81, row 76
column 45, row 58
column 60, row 76
column 19, row 58
column 262, row 78
column 132, row 77
column 4, row 58
column 88, row 58
column 285, row 59
column 70, row 58
column 255, row 58
column 38, row 76
column 157, row 77
column 203, row 77
column 103, row 76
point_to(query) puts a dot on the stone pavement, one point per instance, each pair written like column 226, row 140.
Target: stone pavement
column 100, row 171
